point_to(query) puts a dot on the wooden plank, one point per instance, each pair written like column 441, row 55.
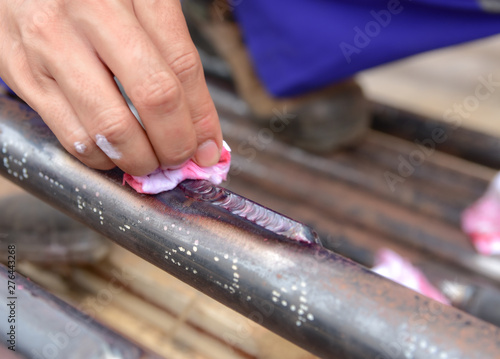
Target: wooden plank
column 431, row 83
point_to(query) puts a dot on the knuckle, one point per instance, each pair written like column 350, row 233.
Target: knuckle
column 41, row 21
column 114, row 124
column 187, row 66
column 159, row 90
column 181, row 154
column 206, row 118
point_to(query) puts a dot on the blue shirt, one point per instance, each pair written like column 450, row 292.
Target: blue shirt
column 302, row 45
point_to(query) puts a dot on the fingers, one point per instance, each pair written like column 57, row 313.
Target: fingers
column 44, row 96
column 69, row 62
column 58, row 114
column 104, row 114
column 62, row 120
column 150, row 83
column 165, row 24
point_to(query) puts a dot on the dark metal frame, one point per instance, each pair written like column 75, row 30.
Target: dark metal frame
column 311, row 296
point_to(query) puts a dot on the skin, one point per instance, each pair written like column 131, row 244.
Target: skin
column 60, row 57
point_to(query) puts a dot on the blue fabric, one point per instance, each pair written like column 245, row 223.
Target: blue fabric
column 302, row 45
column 2, row 84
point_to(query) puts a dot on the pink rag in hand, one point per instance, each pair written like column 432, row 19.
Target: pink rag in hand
column 481, row 221
column 165, row 180
column 391, row 265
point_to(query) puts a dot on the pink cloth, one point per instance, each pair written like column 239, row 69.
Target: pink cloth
column 391, row 265
column 481, row 221
column 165, row 180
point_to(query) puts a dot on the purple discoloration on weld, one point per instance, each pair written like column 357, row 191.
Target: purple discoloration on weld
column 242, row 207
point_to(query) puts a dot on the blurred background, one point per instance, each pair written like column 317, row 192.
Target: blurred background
column 175, row 321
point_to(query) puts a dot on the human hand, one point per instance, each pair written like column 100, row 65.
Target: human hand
column 60, row 57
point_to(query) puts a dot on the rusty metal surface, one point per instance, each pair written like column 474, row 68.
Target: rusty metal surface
column 462, row 142
column 351, row 190
column 309, row 295
column 359, row 170
column 47, row 327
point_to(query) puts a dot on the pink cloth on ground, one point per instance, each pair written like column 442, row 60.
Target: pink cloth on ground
column 165, row 180
column 481, row 221
column 391, row 265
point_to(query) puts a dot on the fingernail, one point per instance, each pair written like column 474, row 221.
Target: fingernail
column 207, row 154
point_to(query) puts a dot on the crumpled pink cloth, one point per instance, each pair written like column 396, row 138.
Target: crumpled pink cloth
column 391, row 265
column 165, row 180
column 481, row 221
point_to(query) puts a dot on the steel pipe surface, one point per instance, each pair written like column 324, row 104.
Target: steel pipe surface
column 313, row 297
column 46, row 327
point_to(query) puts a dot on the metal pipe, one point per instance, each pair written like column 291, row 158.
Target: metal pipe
column 355, row 197
column 352, row 193
column 364, row 167
column 313, row 297
column 36, row 324
column 480, row 300
column 460, row 141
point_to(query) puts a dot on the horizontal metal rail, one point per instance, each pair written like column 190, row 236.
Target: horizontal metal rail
column 313, row 297
column 460, row 141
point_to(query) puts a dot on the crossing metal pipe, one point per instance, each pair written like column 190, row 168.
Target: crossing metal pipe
column 313, row 297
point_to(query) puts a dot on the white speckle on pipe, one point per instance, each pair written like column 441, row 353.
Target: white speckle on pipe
column 107, row 147
column 80, row 147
